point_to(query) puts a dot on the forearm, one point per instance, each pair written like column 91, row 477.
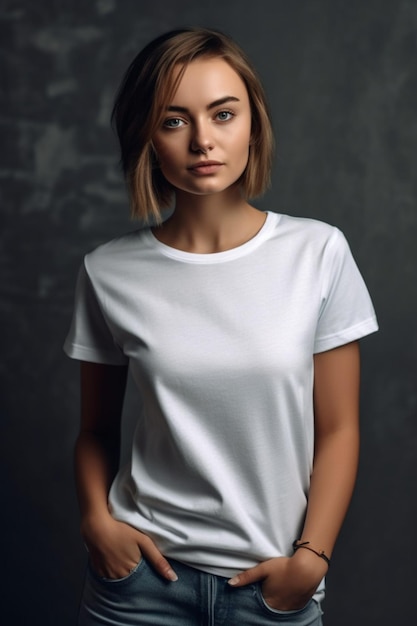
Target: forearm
column 98, row 445
column 332, row 483
column 96, row 461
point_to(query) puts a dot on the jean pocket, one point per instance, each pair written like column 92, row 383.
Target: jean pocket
column 117, row 581
column 289, row 614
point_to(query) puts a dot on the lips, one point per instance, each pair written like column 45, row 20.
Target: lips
column 204, row 164
column 205, row 167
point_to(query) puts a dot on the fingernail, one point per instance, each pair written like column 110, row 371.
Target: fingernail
column 234, row 580
column 172, row 575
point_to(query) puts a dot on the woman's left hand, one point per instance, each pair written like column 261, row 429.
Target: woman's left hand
column 288, row 583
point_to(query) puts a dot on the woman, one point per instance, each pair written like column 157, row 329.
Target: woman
column 241, row 331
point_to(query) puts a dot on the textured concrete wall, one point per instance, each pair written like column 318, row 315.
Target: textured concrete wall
column 341, row 79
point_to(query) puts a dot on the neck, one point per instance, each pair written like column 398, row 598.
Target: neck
column 212, row 223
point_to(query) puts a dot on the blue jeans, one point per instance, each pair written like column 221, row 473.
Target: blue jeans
column 196, row 599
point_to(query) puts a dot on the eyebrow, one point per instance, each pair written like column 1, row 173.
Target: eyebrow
column 210, row 106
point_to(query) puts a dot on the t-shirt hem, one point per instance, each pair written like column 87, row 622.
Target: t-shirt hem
column 229, row 572
column 347, row 335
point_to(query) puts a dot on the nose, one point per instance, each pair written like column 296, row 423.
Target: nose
column 201, row 140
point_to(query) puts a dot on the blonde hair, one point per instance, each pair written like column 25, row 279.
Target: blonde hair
column 146, row 90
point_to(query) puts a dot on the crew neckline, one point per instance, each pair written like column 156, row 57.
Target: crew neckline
column 216, row 257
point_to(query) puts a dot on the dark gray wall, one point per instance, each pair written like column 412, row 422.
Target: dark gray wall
column 341, row 79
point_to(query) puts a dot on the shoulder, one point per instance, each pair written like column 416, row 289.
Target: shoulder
column 306, row 226
column 309, row 232
column 113, row 255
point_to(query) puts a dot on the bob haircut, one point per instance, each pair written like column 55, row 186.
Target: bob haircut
column 148, row 88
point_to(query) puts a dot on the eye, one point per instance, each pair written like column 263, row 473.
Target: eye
column 173, row 122
column 224, row 116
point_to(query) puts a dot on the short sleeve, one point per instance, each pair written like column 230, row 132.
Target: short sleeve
column 346, row 312
column 89, row 337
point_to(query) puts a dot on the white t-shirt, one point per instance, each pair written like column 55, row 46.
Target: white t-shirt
column 221, row 347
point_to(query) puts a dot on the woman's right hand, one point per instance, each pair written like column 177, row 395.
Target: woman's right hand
column 115, row 548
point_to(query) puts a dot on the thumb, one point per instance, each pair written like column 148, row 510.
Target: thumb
column 156, row 559
column 251, row 575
